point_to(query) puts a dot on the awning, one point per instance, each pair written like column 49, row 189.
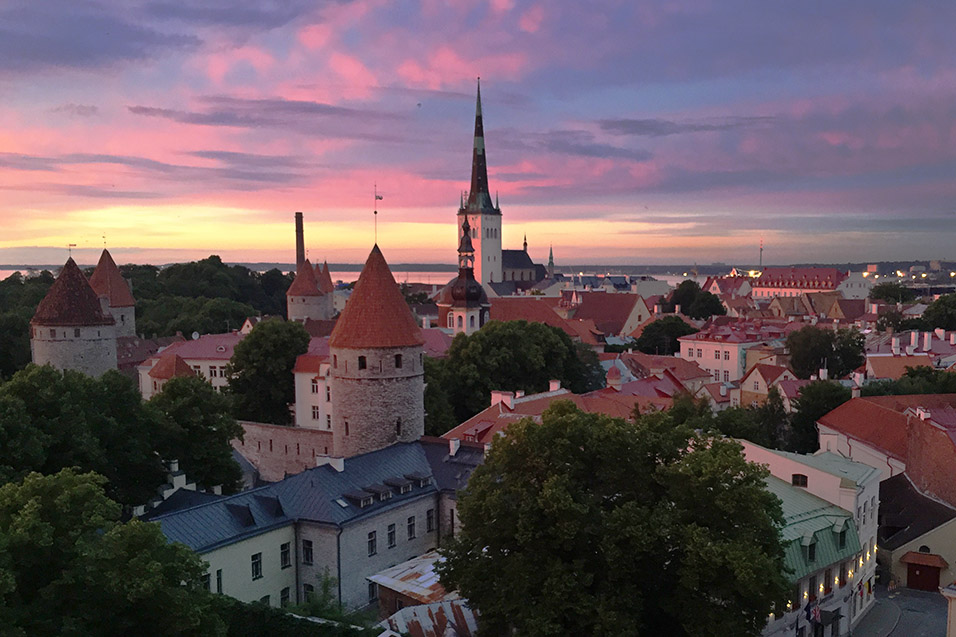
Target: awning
column 827, row 617
column 924, row 559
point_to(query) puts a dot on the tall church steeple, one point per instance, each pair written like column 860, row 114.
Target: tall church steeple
column 550, row 262
column 483, row 215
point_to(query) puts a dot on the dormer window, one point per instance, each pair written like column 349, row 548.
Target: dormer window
column 405, row 488
column 798, row 480
column 424, row 482
column 812, row 552
column 843, row 539
column 384, row 495
column 365, row 502
column 362, row 362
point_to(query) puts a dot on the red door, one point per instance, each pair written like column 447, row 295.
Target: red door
column 923, row 578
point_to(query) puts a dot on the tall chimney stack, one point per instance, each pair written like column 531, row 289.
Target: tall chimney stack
column 299, row 241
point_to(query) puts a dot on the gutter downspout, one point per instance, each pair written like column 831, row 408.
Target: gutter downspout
column 338, row 563
column 295, row 555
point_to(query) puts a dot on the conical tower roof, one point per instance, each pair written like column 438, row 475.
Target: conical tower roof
column 479, row 197
column 71, row 302
column 109, row 282
column 304, row 283
column 171, row 365
column 376, row 314
column 325, row 279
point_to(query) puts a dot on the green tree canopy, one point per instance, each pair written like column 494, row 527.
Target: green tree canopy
column 694, row 302
column 260, row 372
column 660, row 336
column 200, row 429
column 590, row 525
column 815, row 400
column 812, row 349
column 67, row 419
column 68, row 567
column 916, row 380
column 14, row 343
column 511, row 356
column 941, row 313
column 892, row 292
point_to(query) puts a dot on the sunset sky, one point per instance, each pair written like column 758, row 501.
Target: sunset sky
column 619, row 132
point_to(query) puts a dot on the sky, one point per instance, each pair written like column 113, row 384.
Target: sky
column 618, row 132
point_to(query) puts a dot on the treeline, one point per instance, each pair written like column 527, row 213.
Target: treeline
column 204, row 296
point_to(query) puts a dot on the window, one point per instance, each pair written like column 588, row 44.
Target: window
column 219, row 580
column 812, row 589
column 222, row 372
column 372, row 592
column 315, row 386
column 756, row 385
column 451, row 320
column 843, row 539
column 843, row 573
column 256, row 565
column 205, row 582
column 212, row 371
column 362, row 362
column 398, row 427
column 372, row 544
column 460, row 323
column 52, row 333
column 812, row 552
column 726, row 376
column 726, row 354
column 430, row 520
column 690, row 353
column 391, row 536
column 306, row 551
column 284, row 597
column 285, row 555
column 265, row 600
column 700, row 354
column 308, row 591
column 717, row 375
column 398, row 361
column 924, row 549
column 471, row 321
column 798, row 480
column 328, row 394
column 76, row 332
column 346, row 426
column 828, row 581
column 716, row 354
column 328, row 421
column 315, row 412
column 411, row 527
column 335, row 361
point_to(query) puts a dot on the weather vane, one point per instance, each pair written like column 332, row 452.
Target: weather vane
column 378, row 198
column 70, row 247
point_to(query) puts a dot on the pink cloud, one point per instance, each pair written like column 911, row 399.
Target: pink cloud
column 359, row 80
column 315, row 36
column 531, row 20
column 445, row 67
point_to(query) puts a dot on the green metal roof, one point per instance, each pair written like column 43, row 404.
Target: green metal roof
column 808, row 517
column 833, row 464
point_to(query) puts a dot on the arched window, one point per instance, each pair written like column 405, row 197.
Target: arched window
column 924, row 549
column 362, row 362
column 471, row 320
column 798, row 480
column 398, row 361
column 460, row 323
column 451, row 320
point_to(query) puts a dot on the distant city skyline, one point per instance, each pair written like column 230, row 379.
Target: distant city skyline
column 619, row 133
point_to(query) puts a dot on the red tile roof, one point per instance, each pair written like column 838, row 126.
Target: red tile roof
column 873, row 421
column 893, row 367
column 822, row 278
column 171, row 365
column 647, row 364
column 207, row 347
column 109, row 282
column 609, row 311
column 376, row 315
column 324, row 279
column 304, row 283
column 537, row 310
column 70, row 301
column 437, row 342
column 318, row 328
column 309, row 363
column 769, row 373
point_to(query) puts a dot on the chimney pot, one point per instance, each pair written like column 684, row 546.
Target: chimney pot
column 914, row 338
column 454, row 444
column 927, row 341
column 554, row 385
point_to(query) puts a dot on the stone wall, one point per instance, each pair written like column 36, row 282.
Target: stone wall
column 367, row 404
column 91, row 350
column 278, row 451
column 125, row 318
column 300, row 308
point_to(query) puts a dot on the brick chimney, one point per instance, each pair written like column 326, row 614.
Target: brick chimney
column 299, row 241
column 505, row 397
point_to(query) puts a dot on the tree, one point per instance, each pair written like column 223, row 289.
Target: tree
column 694, row 302
column 916, row 380
column 14, row 343
column 815, row 400
column 439, row 413
column 200, row 430
column 591, row 525
column 705, row 306
column 942, row 313
column 68, row 567
column 513, row 355
column 684, row 295
column 260, row 372
column 812, row 349
column 660, row 336
column 892, row 292
column 68, row 419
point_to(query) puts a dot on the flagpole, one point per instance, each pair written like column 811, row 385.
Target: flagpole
column 377, row 198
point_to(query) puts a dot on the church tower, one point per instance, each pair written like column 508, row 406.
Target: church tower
column 377, row 376
column 463, row 304
column 483, row 216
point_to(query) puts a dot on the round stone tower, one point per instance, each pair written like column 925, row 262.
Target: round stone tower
column 108, row 282
column 72, row 329
column 377, row 378
column 304, row 299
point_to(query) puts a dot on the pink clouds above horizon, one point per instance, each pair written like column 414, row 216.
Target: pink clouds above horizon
column 663, row 133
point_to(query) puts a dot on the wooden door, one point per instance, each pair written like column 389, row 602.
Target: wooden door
column 923, row 578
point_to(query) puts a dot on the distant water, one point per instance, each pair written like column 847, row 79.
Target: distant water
column 6, row 273
column 433, row 278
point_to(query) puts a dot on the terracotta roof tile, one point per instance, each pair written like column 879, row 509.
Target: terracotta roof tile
column 609, row 311
column 109, row 282
column 893, row 367
column 376, row 314
column 304, row 283
column 324, row 279
column 171, row 365
column 872, row 421
column 538, row 309
column 70, row 301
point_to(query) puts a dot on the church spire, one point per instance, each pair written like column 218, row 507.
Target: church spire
column 479, row 197
column 525, row 244
column 466, row 251
column 550, row 262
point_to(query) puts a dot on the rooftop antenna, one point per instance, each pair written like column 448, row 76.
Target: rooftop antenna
column 70, row 247
column 378, row 198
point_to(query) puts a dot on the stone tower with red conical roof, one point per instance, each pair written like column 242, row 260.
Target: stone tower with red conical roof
column 304, row 298
column 377, row 377
column 108, row 283
column 72, row 328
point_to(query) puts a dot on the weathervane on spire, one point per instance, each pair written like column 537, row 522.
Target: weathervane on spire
column 378, row 198
column 70, row 247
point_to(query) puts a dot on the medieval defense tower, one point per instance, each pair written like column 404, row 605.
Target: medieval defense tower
column 108, row 283
column 72, row 328
column 377, row 376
